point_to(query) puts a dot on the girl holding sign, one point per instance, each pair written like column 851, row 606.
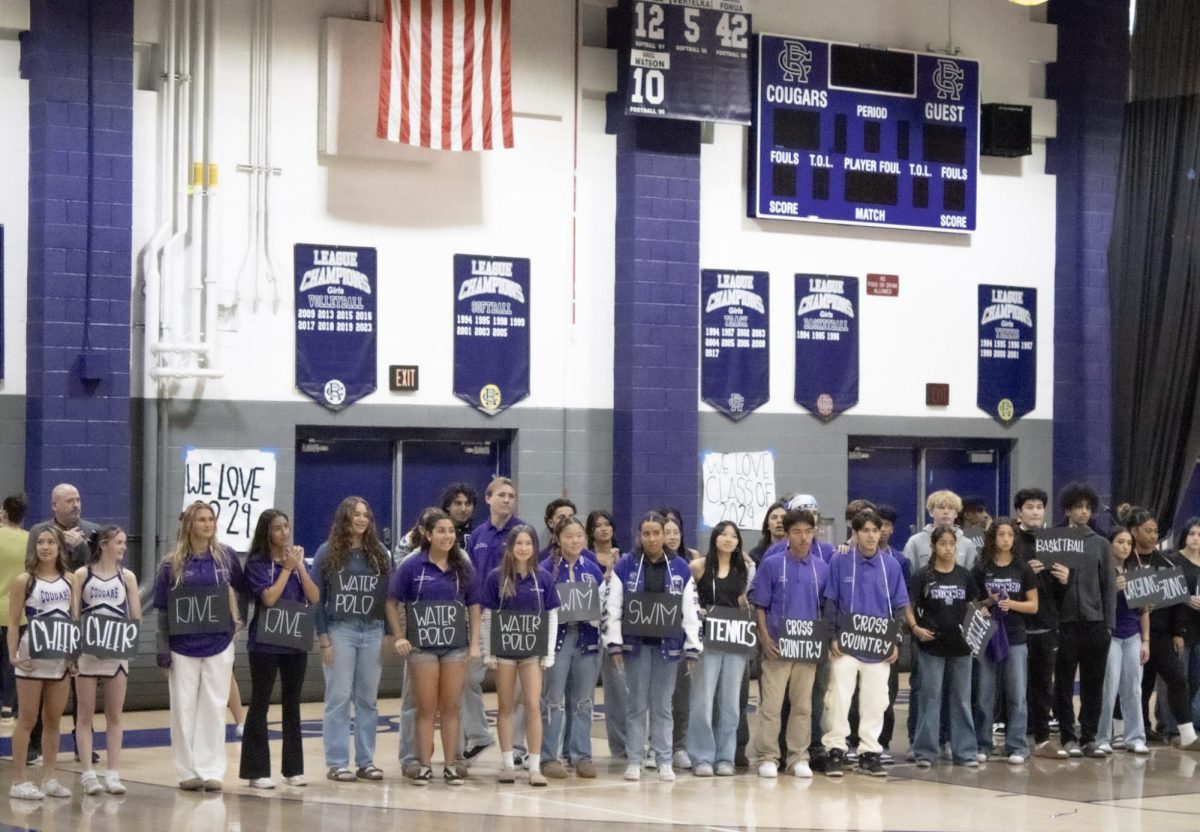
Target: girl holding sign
column 1189, row 559
column 603, row 544
column 43, row 589
column 277, row 577
column 103, row 587
column 517, row 585
column 1129, row 650
column 439, row 574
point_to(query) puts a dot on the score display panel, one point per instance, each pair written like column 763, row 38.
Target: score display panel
column 864, row 136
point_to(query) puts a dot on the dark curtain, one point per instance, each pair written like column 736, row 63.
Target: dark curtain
column 1154, row 264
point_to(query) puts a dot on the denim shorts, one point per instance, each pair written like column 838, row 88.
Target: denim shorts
column 441, row 655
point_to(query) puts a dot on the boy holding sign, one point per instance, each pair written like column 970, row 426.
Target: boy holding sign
column 788, row 596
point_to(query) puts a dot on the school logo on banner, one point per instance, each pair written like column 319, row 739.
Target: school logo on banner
column 735, row 371
column 335, row 323
column 491, row 331
column 826, row 343
column 1007, row 352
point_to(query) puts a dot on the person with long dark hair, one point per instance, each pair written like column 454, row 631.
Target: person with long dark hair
column 1189, row 559
column 1127, row 653
column 682, row 696
column 602, row 541
column 275, row 572
column 772, row 530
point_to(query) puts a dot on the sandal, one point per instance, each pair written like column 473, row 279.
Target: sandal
column 369, row 772
column 341, row 774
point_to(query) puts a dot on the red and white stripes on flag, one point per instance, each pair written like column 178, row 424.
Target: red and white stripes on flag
column 445, row 79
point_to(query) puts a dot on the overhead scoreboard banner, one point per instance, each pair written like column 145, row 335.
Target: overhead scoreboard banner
column 851, row 134
column 735, row 372
column 335, row 323
column 491, row 331
column 688, row 59
column 826, row 343
column 1007, row 387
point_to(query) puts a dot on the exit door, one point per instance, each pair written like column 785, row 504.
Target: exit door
column 427, row 466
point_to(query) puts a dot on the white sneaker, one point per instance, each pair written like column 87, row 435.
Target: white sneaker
column 1106, row 748
column 25, row 791
column 801, row 769
column 295, row 780
column 680, row 759
column 768, row 769
column 90, row 783
column 240, row 729
column 703, row 770
column 1138, row 748
column 1016, row 760
column 112, row 782
column 981, row 757
column 262, row 783
column 53, row 788
column 666, row 774
column 633, row 772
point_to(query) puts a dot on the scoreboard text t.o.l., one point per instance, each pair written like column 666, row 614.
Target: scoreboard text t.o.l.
column 853, row 134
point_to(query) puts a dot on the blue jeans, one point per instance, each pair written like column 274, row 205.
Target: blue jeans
column 651, row 682
column 408, row 720
column 615, row 696
column 1123, row 677
column 1193, row 654
column 929, row 716
column 571, row 680
column 1014, row 670
column 354, row 677
column 716, row 680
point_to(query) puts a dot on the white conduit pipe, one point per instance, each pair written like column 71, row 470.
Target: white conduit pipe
column 212, row 269
column 151, row 273
column 266, row 170
column 195, row 183
column 173, row 252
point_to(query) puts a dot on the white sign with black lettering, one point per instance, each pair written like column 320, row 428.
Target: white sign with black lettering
column 238, row 484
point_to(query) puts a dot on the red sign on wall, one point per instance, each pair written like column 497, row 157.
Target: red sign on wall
column 887, row 285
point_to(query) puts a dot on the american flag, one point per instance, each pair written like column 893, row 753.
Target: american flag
column 445, row 79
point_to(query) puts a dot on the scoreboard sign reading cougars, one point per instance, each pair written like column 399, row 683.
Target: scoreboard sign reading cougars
column 851, row 134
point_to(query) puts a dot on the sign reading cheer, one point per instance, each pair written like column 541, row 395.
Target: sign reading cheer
column 108, row 636
column 287, row 624
column 738, row 486
column 436, row 625
column 869, row 637
column 652, row 615
column 518, row 635
column 978, row 628
column 803, row 640
column 1156, row 587
column 52, row 637
column 358, row 596
column 578, row 601
column 238, row 484
column 728, row 630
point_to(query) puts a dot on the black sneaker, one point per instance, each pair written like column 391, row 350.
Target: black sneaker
column 868, row 763
column 33, row 757
column 474, row 751
column 836, row 763
column 424, row 776
column 1090, row 749
column 851, row 755
column 518, row 759
column 452, row 777
column 819, row 762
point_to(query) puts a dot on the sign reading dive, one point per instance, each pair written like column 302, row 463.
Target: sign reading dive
column 204, row 608
column 287, row 624
column 491, row 331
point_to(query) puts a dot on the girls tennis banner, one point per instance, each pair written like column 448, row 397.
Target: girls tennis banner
column 1007, row 352
column 335, row 323
column 735, row 371
column 491, row 331
column 826, row 343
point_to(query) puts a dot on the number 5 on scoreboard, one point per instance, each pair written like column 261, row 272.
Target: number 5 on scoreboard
column 649, row 85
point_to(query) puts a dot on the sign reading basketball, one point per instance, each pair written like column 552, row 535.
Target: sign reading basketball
column 491, row 331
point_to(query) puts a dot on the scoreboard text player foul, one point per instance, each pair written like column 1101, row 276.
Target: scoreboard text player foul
column 866, row 136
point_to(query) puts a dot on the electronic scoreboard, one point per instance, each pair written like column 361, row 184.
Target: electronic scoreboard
column 861, row 135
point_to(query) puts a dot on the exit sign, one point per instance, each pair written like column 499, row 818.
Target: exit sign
column 402, row 377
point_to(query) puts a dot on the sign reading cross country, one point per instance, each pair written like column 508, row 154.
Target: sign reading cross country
column 826, row 343
column 491, row 331
column 1007, row 352
column 688, row 59
column 735, row 372
column 335, row 323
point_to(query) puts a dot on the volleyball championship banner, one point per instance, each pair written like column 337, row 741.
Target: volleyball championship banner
column 335, row 323
column 491, row 331
column 826, row 343
column 1007, row 352
column 735, row 371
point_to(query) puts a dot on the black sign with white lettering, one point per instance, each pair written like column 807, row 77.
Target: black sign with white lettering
column 199, row 609
column 652, row 615
column 730, row 630
column 978, row 628
column 287, row 624
column 1061, row 545
column 868, row 637
column 108, row 636
column 518, row 635
column 436, row 625
column 578, row 601
column 53, row 637
column 1156, row 587
column 357, row 596
column 802, row 640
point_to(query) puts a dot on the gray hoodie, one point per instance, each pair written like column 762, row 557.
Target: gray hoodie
column 918, row 550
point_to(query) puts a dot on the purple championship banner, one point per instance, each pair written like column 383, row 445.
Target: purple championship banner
column 335, row 323
column 826, row 343
column 735, row 371
column 491, row 331
column 1007, row 387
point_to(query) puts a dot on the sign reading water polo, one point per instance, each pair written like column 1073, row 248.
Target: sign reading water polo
column 238, row 484
column 826, row 343
column 1007, row 352
column 491, row 330
column 735, row 372
column 335, row 323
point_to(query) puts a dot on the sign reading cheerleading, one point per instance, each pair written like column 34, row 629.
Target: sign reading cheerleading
column 1007, row 352
column 491, row 331
column 735, row 371
column 335, row 323
column 826, row 343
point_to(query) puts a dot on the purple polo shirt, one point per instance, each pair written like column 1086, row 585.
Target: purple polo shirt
column 869, row 586
column 420, row 579
column 789, row 587
column 819, row 547
column 486, row 545
column 533, row 592
column 261, row 575
column 201, row 570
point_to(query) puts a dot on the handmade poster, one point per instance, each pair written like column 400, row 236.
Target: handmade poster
column 738, row 486
column 239, row 484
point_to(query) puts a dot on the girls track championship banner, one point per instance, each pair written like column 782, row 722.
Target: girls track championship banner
column 491, row 331
column 826, row 343
column 735, row 371
column 335, row 323
column 1007, row 352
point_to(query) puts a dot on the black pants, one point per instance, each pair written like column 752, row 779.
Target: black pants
column 681, row 706
column 1040, row 681
column 1083, row 646
column 1165, row 662
column 743, row 729
column 256, row 754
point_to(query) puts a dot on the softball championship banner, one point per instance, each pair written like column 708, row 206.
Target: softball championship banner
column 335, row 323
column 491, row 331
column 735, row 371
column 1007, row 352
column 826, row 343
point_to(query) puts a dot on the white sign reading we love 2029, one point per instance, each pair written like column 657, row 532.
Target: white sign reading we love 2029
column 238, row 483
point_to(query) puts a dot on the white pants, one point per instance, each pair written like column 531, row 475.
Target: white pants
column 845, row 673
column 199, row 694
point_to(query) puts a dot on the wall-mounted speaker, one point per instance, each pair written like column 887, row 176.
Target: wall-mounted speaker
column 1006, row 130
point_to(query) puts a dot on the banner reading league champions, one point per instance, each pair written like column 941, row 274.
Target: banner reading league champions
column 335, row 323
column 491, row 330
column 735, row 372
column 826, row 343
column 1007, row 351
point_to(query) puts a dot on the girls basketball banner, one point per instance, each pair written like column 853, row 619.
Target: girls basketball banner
column 1007, row 352
column 491, row 331
column 735, row 371
column 335, row 323
column 826, row 343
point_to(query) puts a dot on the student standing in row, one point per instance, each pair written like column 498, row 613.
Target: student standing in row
column 599, row 527
column 1189, row 559
column 682, row 696
column 13, row 541
column 1128, row 651
column 772, row 531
